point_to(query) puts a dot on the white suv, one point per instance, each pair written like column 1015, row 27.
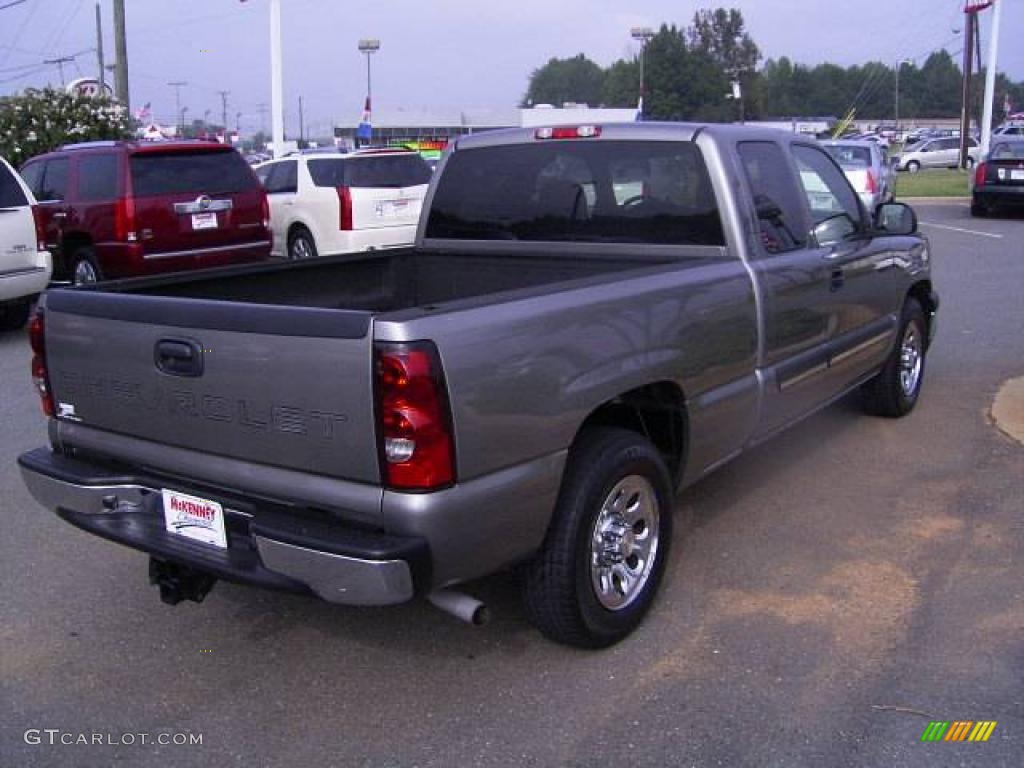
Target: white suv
column 332, row 202
column 25, row 264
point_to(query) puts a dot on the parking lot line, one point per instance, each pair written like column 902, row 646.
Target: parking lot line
column 961, row 229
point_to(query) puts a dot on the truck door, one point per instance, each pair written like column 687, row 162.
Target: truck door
column 794, row 283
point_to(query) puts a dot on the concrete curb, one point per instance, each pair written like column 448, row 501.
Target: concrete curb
column 934, row 200
column 1008, row 408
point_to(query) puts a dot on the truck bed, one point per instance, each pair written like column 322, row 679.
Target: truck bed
column 381, row 282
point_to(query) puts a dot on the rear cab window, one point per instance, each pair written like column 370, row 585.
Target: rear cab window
column 850, row 156
column 11, row 193
column 651, row 192
column 176, row 173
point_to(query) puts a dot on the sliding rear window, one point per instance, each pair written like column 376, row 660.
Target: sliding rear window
column 175, row 173
column 656, row 193
column 381, row 171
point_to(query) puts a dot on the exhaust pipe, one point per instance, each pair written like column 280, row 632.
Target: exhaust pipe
column 461, row 606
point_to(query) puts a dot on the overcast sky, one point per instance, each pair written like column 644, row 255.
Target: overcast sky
column 436, row 53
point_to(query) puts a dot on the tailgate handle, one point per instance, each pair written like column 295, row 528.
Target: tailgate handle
column 179, row 357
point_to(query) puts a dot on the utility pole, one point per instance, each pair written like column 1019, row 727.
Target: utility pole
column 971, row 11
column 276, row 79
column 99, row 51
column 990, row 81
column 177, row 85
column 121, row 53
column 302, row 124
column 224, row 112
column 60, row 62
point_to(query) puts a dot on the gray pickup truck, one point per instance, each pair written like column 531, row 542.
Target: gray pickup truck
column 592, row 318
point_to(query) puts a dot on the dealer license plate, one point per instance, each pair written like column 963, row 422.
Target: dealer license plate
column 194, row 518
column 204, row 221
column 1017, row 175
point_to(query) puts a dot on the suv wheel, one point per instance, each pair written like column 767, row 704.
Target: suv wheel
column 83, row 267
column 913, row 166
column 301, row 245
column 894, row 391
column 599, row 568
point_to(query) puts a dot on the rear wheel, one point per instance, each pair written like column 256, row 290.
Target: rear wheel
column 83, row 267
column 301, row 244
column 605, row 552
column 977, row 209
column 894, row 391
column 14, row 314
column 913, row 166
column 970, row 163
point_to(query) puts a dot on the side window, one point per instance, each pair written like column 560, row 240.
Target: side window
column 263, row 173
column 33, row 176
column 11, row 195
column 97, row 178
column 972, row 142
column 828, row 192
column 283, row 177
column 779, row 211
column 55, row 180
column 950, row 144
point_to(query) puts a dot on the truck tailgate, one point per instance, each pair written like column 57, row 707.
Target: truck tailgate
column 284, row 386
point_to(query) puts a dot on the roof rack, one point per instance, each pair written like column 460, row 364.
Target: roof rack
column 92, row 145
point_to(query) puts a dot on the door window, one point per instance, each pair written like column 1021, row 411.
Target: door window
column 284, row 177
column 779, row 212
column 97, row 178
column 32, row 174
column 55, row 180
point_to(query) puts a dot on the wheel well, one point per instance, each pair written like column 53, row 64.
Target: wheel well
column 656, row 411
column 922, row 292
column 295, row 227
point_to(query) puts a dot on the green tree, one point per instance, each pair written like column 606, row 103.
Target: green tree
column 560, row 80
column 39, row 121
column 682, row 83
column 622, row 83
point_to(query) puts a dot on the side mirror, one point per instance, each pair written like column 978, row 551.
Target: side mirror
column 896, row 219
column 833, row 230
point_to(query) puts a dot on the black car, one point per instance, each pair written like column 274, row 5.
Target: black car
column 999, row 178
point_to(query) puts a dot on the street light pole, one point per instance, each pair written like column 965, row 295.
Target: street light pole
column 896, row 106
column 177, row 85
column 276, row 80
column 990, row 81
column 643, row 34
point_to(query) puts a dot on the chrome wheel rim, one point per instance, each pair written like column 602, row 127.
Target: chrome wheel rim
column 624, row 543
column 910, row 360
column 84, row 273
column 301, row 249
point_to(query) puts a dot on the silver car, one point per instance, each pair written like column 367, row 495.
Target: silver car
column 939, row 153
column 867, row 166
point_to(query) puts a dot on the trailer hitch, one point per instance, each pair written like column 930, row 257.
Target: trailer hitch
column 178, row 582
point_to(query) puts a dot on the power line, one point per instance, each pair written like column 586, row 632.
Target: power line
column 12, row 4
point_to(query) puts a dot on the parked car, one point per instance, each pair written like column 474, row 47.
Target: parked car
column 938, row 153
column 125, row 208
column 24, row 260
column 1015, row 128
column 528, row 385
column 867, row 166
column 327, row 202
column 999, row 177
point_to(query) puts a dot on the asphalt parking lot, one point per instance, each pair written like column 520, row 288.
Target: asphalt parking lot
column 830, row 593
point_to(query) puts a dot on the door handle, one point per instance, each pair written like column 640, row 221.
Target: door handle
column 179, row 357
column 59, row 214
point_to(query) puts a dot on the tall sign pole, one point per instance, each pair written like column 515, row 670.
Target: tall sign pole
column 99, row 50
column 276, row 79
column 990, row 81
column 121, row 54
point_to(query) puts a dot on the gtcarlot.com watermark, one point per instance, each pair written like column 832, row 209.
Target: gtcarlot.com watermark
column 55, row 737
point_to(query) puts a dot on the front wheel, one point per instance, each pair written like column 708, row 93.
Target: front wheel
column 604, row 555
column 913, row 166
column 301, row 245
column 894, row 391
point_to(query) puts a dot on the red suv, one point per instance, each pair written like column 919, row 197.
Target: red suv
column 125, row 208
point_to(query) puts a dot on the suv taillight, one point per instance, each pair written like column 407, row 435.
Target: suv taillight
column 979, row 174
column 870, row 185
column 264, row 209
column 344, row 208
column 40, row 376
column 124, row 220
column 417, row 446
column 37, row 217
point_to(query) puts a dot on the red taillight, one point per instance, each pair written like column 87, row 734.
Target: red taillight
column 40, row 376
column 124, row 220
column 344, row 208
column 979, row 174
column 37, row 216
column 870, row 185
column 568, row 132
column 417, row 446
column 264, row 210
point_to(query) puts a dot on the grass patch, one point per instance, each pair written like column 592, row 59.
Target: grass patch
column 933, row 182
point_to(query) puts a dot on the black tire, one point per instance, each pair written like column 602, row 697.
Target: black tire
column 970, row 163
column 979, row 210
column 887, row 394
column 913, row 166
column 83, row 267
column 14, row 314
column 559, row 595
column 301, row 245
